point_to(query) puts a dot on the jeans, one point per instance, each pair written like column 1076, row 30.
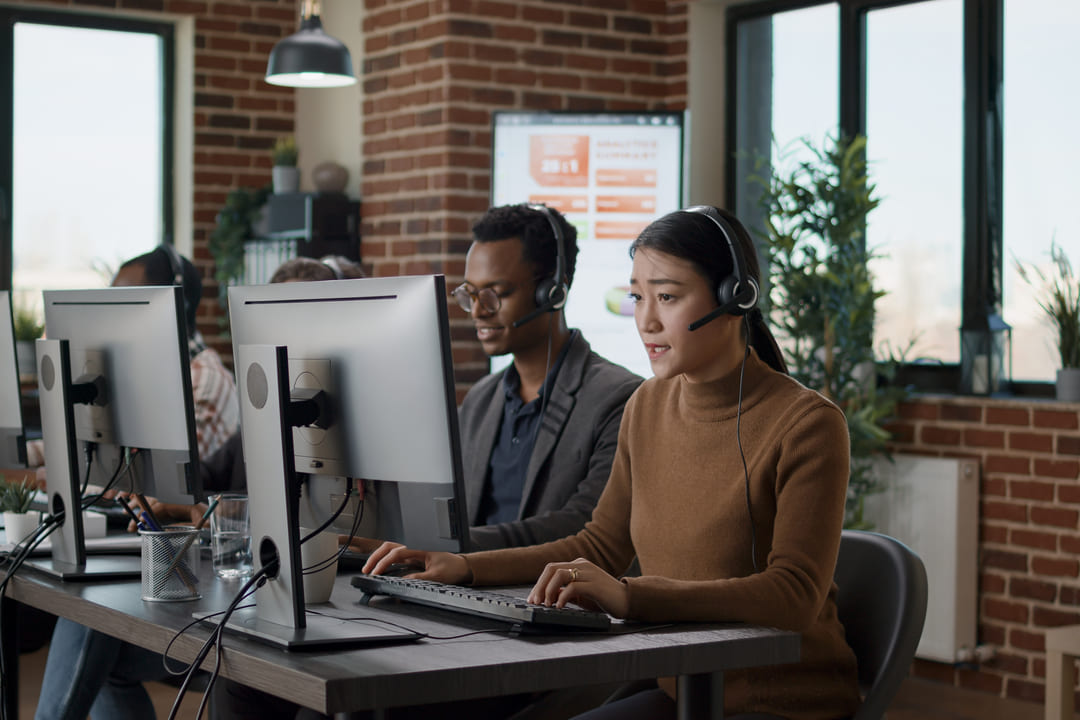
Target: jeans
column 90, row 673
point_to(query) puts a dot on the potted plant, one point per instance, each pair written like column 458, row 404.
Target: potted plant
column 235, row 226
column 286, row 175
column 15, row 500
column 28, row 328
column 822, row 296
column 1060, row 299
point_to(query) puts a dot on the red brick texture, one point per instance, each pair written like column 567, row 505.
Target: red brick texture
column 1029, row 535
column 433, row 72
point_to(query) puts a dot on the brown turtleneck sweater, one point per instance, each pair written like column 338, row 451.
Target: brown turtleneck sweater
column 676, row 499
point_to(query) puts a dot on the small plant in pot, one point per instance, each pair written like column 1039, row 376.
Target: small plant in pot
column 286, row 175
column 15, row 500
column 1059, row 298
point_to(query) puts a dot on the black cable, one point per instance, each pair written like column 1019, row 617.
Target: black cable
column 329, row 521
column 19, row 554
column 738, row 439
column 88, row 448
column 124, row 468
column 328, row 562
column 257, row 580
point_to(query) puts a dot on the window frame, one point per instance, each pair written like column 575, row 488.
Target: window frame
column 982, row 155
column 9, row 16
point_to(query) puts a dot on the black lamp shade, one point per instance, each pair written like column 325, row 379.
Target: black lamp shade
column 310, row 58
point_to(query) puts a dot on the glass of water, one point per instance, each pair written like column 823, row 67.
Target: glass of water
column 230, row 533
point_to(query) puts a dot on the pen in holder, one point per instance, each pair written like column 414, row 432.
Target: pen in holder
column 170, row 567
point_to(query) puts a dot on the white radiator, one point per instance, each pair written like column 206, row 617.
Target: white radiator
column 932, row 505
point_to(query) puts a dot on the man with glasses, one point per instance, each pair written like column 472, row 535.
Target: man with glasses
column 538, row 438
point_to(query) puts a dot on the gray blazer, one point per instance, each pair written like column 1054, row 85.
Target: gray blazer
column 572, row 456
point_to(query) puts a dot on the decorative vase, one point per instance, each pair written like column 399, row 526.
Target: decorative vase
column 286, row 179
column 26, row 357
column 1067, row 387
column 330, row 177
column 18, row 526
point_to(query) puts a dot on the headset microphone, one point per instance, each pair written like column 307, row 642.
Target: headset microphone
column 737, row 301
column 550, row 292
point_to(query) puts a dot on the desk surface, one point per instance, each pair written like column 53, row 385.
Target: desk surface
column 429, row 670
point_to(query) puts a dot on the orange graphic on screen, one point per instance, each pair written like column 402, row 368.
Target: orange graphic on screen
column 563, row 203
column 559, row 160
column 626, row 203
column 619, row 230
column 627, row 177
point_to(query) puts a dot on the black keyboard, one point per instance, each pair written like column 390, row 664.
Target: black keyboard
column 484, row 603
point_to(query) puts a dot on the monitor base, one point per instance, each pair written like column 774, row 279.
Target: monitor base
column 322, row 631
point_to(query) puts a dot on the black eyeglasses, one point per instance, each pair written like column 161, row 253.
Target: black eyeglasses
column 487, row 298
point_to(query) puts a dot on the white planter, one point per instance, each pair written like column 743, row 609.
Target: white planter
column 1067, row 386
column 286, row 179
column 18, row 526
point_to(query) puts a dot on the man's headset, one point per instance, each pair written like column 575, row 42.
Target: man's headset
column 551, row 291
column 176, row 267
column 738, row 292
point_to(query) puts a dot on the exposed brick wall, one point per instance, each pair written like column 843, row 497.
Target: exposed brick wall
column 237, row 114
column 433, row 71
column 1029, row 538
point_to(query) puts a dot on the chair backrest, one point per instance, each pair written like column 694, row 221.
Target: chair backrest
column 881, row 601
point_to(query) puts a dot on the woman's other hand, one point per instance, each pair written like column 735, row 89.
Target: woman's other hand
column 584, row 584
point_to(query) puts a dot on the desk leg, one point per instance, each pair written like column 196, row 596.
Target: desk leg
column 701, row 696
column 1059, row 685
column 9, row 646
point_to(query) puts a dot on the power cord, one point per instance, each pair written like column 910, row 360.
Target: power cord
column 254, row 583
column 329, row 562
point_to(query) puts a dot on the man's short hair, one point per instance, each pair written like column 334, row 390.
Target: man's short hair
column 535, row 232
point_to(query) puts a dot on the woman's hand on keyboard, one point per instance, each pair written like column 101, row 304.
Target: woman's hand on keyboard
column 439, row 566
column 583, row 583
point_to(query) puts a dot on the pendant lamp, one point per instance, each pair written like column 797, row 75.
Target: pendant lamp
column 309, row 57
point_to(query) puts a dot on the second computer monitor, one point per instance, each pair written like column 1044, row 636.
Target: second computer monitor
column 131, row 345
column 12, row 437
column 374, row 355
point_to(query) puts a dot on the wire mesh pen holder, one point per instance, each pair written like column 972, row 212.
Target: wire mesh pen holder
column 170, row 564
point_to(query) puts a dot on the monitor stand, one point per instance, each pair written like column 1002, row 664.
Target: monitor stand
column 57, row 395
column 279, row 617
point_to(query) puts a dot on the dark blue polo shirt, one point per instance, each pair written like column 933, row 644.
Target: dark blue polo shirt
column 509, row 462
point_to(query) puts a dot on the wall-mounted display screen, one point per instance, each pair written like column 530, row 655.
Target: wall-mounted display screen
column 611, row 174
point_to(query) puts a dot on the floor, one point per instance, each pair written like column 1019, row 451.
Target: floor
column 917, row 699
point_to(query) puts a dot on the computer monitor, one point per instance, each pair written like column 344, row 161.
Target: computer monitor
column 12, row 434
column 114, row 379
column 352, row 378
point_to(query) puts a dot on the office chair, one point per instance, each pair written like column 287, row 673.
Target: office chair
column 882, row 604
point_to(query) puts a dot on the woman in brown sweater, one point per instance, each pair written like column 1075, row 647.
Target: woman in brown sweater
column 728, row 485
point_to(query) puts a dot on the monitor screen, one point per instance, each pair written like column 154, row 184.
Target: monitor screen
column 379, row 350
column 132, row 342
column 344, row 382
column 610, row 174
column 12, row 436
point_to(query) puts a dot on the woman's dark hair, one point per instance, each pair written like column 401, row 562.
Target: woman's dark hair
column 694, row 237
column 303, row 269
column 534, row 230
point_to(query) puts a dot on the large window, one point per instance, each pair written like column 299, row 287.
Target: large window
column 914, row 123
column 87, row 154
column 969, row 142
column 1041, row 154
